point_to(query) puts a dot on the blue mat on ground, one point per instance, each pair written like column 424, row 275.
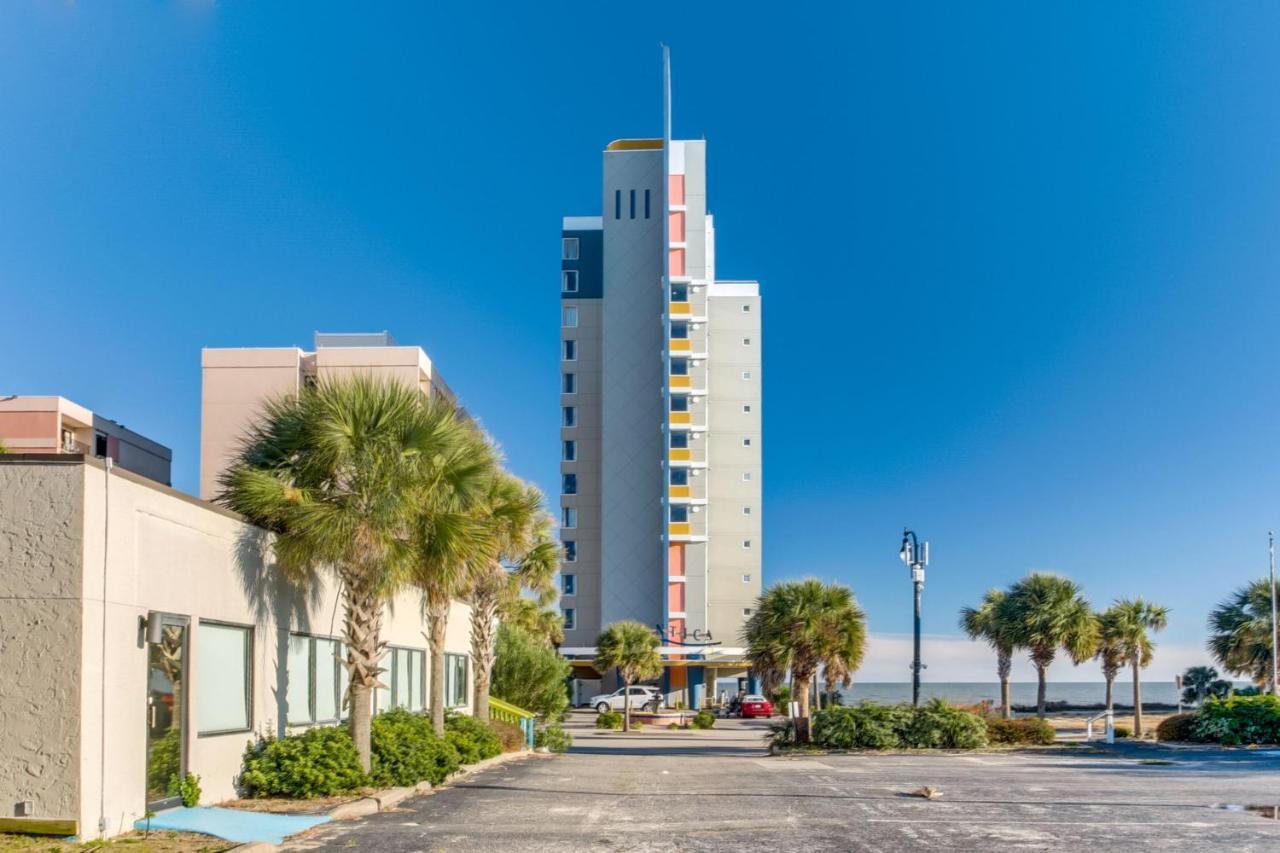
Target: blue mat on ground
column 232, row 824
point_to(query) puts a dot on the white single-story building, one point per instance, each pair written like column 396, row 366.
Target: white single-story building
column 144, row 634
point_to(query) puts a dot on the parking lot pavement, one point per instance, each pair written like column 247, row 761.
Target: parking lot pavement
column 660, row 790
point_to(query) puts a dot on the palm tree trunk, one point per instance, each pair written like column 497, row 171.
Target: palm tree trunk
column 1137, row 699
column 1111, row 683
column 1041, row 688
column 484, row 637
column 800, row 693
column 362, row 627
column 437, row 624
column 1004, row 665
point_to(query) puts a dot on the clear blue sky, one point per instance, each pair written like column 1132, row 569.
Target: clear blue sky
column 1020, row 262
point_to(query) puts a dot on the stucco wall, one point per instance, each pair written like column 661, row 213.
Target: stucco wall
column 40, row 543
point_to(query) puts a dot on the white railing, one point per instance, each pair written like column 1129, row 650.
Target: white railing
column 1110, row 730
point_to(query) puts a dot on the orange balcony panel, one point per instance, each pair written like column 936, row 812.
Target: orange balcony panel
column 681, row 382
column 675, row 226
column 681, row 345
column 675, row 560
column 675, row 597
column 676, row 261
column 681, row 454
column 680, row 308
column 675, row 189
column 681, row 492
column 681, row 417
column 680, row 528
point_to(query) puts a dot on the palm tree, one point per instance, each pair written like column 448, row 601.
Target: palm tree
column 539, row 622
column 1240, row 633
column 1110, row 651
column 452, row 541
column 333, row 473
column 522, row 539
column 986, row 622
column 1046, row 613
column 633, row 648
column 800, row 625
column 1134, row 618
column 1200, row 682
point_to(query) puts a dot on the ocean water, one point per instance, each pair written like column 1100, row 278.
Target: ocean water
column 1024, row 692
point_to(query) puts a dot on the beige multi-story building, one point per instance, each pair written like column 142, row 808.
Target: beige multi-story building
column 237, row 381
column 660, row 420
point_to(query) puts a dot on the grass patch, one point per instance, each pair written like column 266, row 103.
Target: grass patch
column 158, row 842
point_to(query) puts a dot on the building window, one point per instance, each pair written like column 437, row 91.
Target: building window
column 746, row 309
column 570, row 350
column 679, row 403
column 746, row 442
column 570, row 485
column 679, row 476
column 746, row 476
column 569, row 249
column 633, row 204
column 679, row 293
column 316, row 679
column 570, row 551
column 568, row 281
column 746, row 342
column 223, row 678
column 568, row 384
column 569, row 317
column 646, row 204
column 746, row 510
column 746, row 374
column 570, row 451
column 568, row 584
column 746, row 543
column 679, row 440
column 100, row 444
column 746, row 408
column 570, row 416
column 617, row 204
column 679, row 367
column 746, row 578
column 404, row 677
column 679, row 330
column 569, row 517
column 570, row 618
column 746, row 611
column 679, row 514
column 455, row 680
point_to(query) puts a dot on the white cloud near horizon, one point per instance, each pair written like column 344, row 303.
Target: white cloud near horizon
column 955, row 658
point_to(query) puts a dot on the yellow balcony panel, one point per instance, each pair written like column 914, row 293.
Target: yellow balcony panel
column 681, row 492
column 681, row 454
column 682, row 417
column 681, row 382
column 634, row 145
column 680, row 308
column 680, row 529
column 681, row 345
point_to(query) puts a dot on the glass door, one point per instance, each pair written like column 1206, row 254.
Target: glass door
column 166, row 712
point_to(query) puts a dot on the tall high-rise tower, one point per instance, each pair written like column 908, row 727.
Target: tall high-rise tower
column 660, row 418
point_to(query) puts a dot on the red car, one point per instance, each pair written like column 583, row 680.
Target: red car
column 756, row 705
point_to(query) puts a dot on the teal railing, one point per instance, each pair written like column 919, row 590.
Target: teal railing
column 508, row 713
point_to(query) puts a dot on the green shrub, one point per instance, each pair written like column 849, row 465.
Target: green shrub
column 609, row 720
column 781, row 735
column 780, row 696
column 405, row 751
column 320, row 762
column 189, row 790
column 1122, row 731
column 1176, row 727
column 938, row 725
column 554, row 738
column 1237, row 720
column 474, row 739
column 1028, row 730
column 703, row 720
column 530, row 674
column 509, row 734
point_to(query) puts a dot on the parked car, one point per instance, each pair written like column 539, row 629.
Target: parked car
column 642, row 698
column 755, row 705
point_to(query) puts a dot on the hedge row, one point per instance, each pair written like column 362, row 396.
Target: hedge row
column 322, row 762
column 936, row 725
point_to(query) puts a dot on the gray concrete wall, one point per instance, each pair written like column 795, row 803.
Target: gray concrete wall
column 632, row 382
column 41, row 552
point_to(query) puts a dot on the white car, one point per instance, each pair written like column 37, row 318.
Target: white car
column 641, row 698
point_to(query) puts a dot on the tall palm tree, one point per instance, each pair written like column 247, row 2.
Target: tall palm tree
column 1048, row 613
column 987, row 622
column 632, row 647
column 1110, row 651
column 1134, row 618
column 800, row 625
column 1240, row 633
column 452, row 541
column 539, row 622
column 522, row 540
column 333, row 473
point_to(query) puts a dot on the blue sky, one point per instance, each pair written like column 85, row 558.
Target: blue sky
column 1019, row 262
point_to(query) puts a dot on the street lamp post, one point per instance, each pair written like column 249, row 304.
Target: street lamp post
column 1275, row 665
column 915, row 554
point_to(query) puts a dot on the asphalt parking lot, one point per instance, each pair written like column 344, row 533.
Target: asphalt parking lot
column 660, row 790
